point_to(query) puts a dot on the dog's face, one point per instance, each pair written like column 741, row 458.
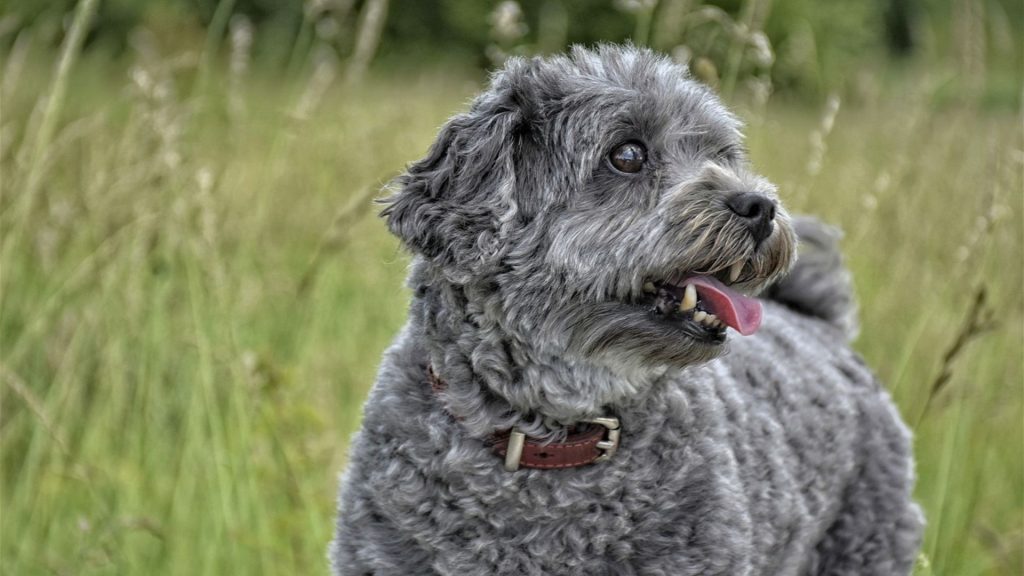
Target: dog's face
column 599, row 204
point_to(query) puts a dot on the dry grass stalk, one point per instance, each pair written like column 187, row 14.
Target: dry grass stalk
column 242, row 33
column 37, row 146
column 324, row 72
column 979, row 320
column 336, row 237
column 819, row 138
column 214, row 35
column 370, row 27
column 737, row 46
column 21, row 390
column 1001, row 545
column 15, row 63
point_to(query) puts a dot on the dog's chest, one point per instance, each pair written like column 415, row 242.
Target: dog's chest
column 683, row 494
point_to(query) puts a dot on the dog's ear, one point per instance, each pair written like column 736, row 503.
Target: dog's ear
column 451, row 205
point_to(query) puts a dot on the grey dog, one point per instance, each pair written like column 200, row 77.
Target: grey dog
column 587, row 239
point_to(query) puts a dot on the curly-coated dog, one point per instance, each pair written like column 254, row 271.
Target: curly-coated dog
column 586, row 384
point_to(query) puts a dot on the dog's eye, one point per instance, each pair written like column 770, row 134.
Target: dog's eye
column 628, row 157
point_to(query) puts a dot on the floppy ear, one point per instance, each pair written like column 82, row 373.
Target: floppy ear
column 450, row 205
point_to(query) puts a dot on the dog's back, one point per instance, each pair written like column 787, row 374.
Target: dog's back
column 818, row 285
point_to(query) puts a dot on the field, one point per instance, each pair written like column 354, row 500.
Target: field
column 195, row 295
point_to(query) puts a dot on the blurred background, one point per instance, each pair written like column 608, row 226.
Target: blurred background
column 195, row 292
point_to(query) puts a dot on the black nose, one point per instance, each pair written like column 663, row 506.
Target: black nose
column 756, row 210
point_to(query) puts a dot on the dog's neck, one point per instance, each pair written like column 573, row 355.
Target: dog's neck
column 497, row 381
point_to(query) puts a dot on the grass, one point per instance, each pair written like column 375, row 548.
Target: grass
column 194, row 304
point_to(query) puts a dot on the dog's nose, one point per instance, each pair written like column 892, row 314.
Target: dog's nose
column 756, row 210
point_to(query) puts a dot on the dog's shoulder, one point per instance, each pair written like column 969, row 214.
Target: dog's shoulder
column 401, row 389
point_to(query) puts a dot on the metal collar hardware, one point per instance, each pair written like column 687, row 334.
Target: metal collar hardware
column 607, row 446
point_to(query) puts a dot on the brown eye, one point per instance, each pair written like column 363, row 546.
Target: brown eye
column 628, row 157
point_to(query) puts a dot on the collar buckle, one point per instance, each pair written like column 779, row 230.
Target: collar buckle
column 611, row 444
column 608, row 445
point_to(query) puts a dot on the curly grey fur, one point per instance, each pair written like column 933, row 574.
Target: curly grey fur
column 819, row 285
column 781, row 456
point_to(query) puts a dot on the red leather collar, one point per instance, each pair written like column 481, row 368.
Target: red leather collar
column 595, row 442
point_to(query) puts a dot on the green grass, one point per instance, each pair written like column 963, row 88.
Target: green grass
column 192, row 311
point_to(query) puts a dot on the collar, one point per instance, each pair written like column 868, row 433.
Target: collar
column 596, row 441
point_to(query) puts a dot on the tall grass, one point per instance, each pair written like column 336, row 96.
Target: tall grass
column 197, row 309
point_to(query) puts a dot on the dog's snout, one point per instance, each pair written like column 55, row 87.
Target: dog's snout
column 757, row 211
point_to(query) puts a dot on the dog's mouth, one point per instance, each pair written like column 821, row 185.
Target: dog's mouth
column 705, row 304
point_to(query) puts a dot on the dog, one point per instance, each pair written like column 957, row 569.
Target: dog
column 587, row 384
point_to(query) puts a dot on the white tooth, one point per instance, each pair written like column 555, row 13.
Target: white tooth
column 689, row 298
column 700, row 315
column 649, row 287
column 710, row 319
column 734, row 272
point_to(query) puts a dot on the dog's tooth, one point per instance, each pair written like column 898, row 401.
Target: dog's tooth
column 700, row 315
column 710, row 319
column 689, row 298
column 649, row 288
column 734, row 272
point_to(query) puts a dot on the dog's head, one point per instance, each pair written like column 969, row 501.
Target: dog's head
column 599, row 204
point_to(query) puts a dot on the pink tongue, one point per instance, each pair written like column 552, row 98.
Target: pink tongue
column 736, row 310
